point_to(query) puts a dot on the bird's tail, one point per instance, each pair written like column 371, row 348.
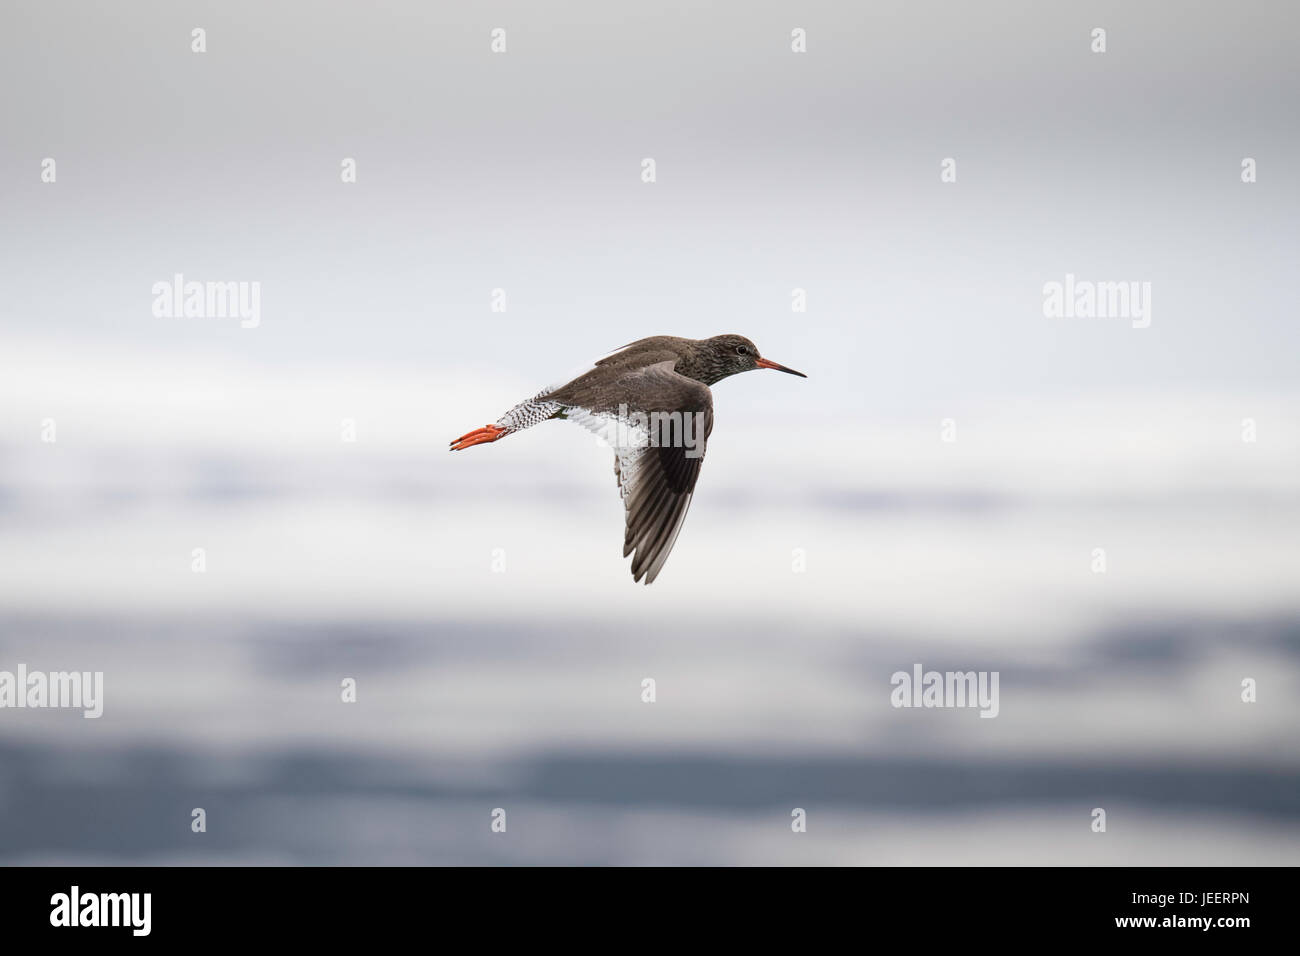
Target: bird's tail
column 523, row 415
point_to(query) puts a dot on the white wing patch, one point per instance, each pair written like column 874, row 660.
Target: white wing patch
column 620, row 434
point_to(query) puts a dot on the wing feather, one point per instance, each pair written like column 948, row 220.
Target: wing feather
column 656, row 479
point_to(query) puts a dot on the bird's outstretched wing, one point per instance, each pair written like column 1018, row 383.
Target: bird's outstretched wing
column 658, row 423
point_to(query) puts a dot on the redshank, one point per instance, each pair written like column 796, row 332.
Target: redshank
column 651, row 402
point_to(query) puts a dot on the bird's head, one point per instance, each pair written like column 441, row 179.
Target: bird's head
column 725, row 355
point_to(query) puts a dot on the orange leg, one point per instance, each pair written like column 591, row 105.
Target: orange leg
column 478, row 437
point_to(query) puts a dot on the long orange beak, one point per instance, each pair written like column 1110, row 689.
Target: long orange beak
column 764, row 363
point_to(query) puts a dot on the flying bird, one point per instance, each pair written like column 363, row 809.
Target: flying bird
column 650, row 401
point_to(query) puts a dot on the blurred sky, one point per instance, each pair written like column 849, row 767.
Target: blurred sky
column 775, row 171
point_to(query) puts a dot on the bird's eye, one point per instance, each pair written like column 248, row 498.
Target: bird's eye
column 741, row 350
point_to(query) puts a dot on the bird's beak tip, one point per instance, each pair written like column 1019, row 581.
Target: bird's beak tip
column 764, row 363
